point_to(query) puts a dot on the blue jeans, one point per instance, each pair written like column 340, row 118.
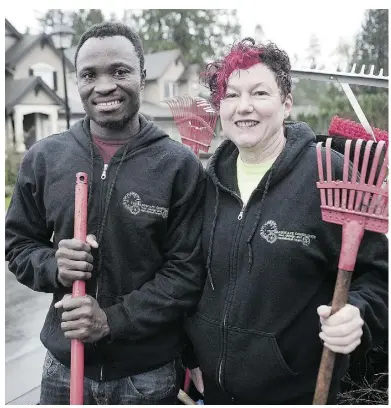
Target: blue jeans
column 156, row 387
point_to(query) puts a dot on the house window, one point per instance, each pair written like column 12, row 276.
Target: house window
column 46, row 72
column 170, row 89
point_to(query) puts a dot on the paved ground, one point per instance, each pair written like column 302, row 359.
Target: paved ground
column 25, row 311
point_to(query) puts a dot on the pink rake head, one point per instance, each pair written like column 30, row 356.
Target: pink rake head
column 360, row 201
column 358, row 195
column 195, row 119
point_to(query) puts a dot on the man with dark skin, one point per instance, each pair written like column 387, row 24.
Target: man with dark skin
column 141, row 259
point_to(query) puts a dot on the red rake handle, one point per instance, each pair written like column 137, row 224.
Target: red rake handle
column 79, row 289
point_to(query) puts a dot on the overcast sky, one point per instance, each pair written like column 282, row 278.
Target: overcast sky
column 289, row 24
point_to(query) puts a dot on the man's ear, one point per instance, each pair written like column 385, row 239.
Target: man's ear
column 143, row 77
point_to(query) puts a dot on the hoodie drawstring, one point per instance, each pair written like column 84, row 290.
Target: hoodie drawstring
column 209, row 258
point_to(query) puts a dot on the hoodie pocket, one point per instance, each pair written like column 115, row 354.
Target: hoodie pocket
column 205, row 336
column 260, row 359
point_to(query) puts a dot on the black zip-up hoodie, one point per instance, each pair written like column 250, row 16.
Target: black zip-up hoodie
column 147, row 270
column 270, row 265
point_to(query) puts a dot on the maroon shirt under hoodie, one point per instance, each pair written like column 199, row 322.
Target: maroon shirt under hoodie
column 107, row 148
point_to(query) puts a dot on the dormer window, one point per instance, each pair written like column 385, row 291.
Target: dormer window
column 46, row 72
column 170, row 89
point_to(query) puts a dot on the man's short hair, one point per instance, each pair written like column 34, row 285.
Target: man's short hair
column 111, row 29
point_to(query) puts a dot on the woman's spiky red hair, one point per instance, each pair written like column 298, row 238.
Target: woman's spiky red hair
column 242, row 56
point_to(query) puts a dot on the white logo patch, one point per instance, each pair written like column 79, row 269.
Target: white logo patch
column 271, row 234
column 132, row 202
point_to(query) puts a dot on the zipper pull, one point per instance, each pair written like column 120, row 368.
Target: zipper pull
column 240, row 216
column 103, row 176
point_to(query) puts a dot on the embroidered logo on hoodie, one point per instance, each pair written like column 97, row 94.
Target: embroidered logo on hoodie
column 132, row 202
column 271, row 234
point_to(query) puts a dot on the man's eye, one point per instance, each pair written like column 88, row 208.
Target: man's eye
column 87, row 75
column 120, row 72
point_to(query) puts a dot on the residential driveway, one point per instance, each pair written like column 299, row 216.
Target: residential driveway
column 25, row 312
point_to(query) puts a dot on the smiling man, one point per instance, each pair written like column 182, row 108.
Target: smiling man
column 141, row 260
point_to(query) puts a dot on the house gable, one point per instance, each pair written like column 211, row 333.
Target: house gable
column 29, row 91
column 12, row 35
column 31, row 43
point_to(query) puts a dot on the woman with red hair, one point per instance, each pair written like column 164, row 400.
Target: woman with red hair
column 263, row 318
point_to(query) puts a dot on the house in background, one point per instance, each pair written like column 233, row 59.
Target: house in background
column 34, row 88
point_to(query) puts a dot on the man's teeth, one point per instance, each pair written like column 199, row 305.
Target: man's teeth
column 247, row 123
column 113, row 103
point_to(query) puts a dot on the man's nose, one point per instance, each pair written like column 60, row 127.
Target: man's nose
column 105, row 85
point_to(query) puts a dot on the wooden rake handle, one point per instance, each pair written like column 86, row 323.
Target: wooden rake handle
column 328, row 357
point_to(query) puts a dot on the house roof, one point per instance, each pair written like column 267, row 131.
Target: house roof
column 154, row 111
column 157, row 63
column 25, row 44
column 12, row 29
column 190, row 69
column 19, row 49
column 70, row 53
column 16, row 90
column 75, row 105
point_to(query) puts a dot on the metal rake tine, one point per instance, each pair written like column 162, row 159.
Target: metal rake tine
column 329, row 172
column 377, row 201
column 356, row 159
column 320, row 172
column 363, row 172
column 346, row 166
column 372, row 174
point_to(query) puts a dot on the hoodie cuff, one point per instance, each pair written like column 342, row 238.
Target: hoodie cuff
column 52, row 273
column 366, row 338
column 118, row 323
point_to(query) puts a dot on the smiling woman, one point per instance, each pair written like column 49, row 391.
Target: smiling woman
column 271, row 261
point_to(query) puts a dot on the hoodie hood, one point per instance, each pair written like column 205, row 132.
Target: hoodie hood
column 222, row 166
column 148, row 133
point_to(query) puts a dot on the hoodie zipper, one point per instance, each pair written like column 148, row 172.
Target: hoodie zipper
column 240, row 216
column 103, row 202
column 102, row 191
column 103, row 176
column 103, row 187
column 224, row 328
